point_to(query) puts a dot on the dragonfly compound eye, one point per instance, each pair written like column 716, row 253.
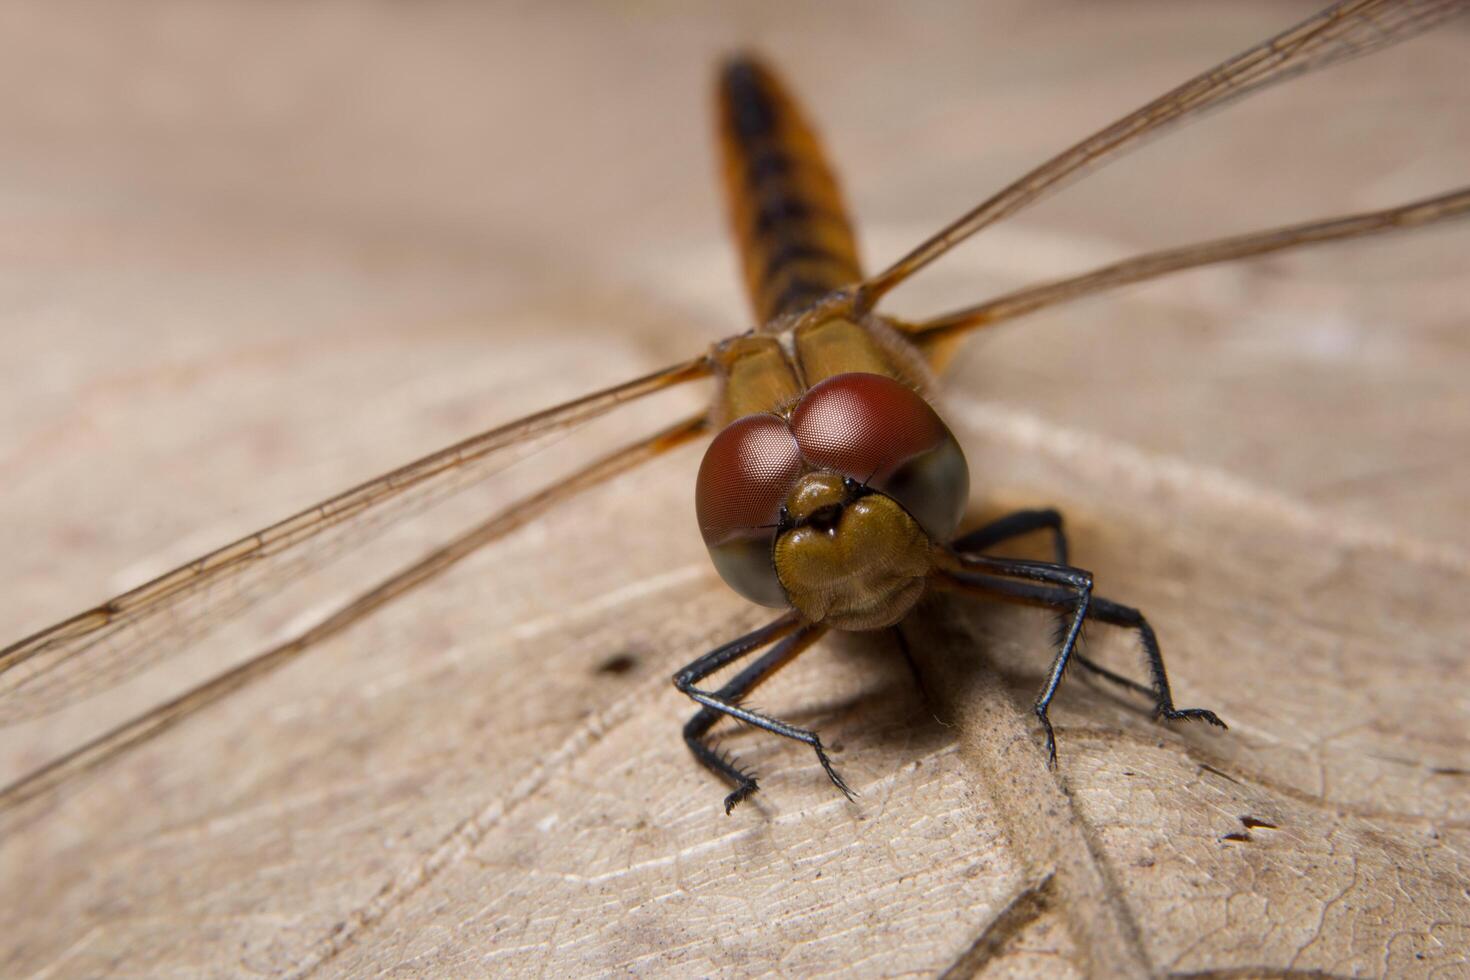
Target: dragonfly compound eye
column 743, row 480
column 883, row 434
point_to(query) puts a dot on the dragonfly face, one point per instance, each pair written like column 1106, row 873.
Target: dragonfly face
column 855, row 559
column 834, row 506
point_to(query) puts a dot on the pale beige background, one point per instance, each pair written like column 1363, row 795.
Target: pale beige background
column 253, row 253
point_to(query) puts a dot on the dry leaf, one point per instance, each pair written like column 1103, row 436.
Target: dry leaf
column 254, row 254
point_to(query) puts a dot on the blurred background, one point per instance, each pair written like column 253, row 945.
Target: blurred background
column 253, row 253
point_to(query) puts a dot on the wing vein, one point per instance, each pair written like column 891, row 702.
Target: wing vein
column 70, row 660
column 1346, row 30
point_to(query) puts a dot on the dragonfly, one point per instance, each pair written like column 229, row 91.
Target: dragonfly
column 831, row 488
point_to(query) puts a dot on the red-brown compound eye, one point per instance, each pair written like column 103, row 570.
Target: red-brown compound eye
column 743, row 480
column 880, row 432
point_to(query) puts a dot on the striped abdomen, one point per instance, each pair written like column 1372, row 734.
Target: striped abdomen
column 795, row 240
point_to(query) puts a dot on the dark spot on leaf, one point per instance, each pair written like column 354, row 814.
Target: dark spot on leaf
column 618, row 663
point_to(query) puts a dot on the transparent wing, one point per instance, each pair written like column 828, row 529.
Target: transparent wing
column 1342, row 31
column 1416, row 214
column 98, row 648
column 95, row 753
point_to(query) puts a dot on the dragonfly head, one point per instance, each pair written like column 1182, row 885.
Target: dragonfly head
column 834, row 508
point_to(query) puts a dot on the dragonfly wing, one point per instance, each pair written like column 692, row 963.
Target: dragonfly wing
column 1345, row 30
column 165, row 716
column 1151, row 265
column 100, row 647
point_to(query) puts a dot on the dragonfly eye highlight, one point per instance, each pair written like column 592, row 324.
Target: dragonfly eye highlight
column 883, row 435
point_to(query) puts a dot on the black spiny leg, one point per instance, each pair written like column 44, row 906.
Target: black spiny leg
column 1126, row 616
column 1102, row 610
column 1014, row 525
column 1018, row 524
column 1021, row 522
column 1076, row 587
column 726, row 701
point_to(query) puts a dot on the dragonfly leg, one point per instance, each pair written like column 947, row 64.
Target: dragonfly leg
column 1117, row 614
column 1014, row 525
column 1018, row 524
column 1068, row 586
column 1021, row 522
column 1104, row 611
column 908, row 656
column 726, row 701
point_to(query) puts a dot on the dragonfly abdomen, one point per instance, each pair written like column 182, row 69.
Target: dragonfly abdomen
column 796, row 243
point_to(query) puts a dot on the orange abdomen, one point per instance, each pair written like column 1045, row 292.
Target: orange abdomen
column 796, row 243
